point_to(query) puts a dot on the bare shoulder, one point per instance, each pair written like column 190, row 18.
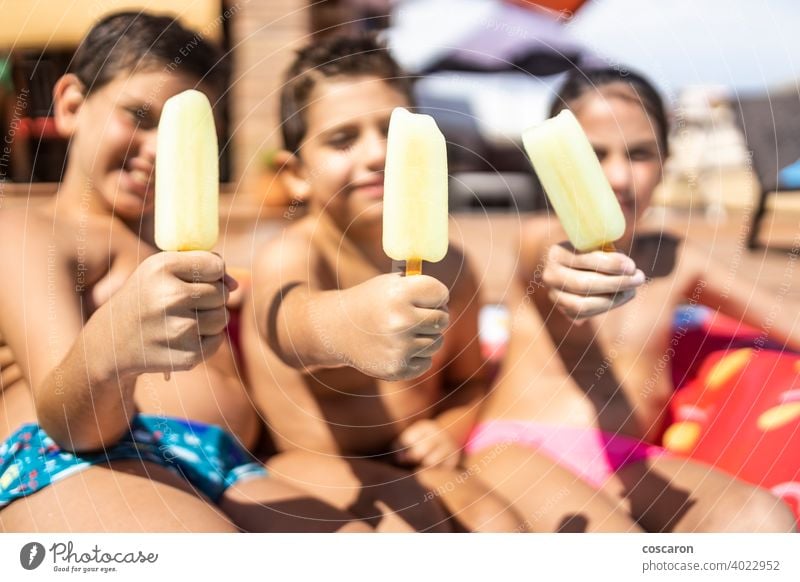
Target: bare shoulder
column 25, row 233
column 15, row 221
column 289, row 253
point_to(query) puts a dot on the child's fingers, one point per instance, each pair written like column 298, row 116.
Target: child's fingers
column 212, row 322
column 426, row 346
column 431, row 321
column 194, row 266
column 208, row 295
column 9, row 373
column 203, row 348
column 427, row 292
column 592, row 283
column 613, row 263
column 443, row 454
column 6, row 356
column 230, row 283
column 623, row 297
column 421, row 450
column 578, row 307
column 414, row 368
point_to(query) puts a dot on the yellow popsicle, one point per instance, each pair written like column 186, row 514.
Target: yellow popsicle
column 187, row 175
column 415, row 191
column 574, row 182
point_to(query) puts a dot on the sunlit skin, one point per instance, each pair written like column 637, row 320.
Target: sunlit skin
column 346, row 357
column 339, row 173
column 590, row 333
column 97, row 325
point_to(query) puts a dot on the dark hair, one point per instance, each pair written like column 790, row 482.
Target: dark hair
column 338, row 56
column 125, row 42
column 581, row 82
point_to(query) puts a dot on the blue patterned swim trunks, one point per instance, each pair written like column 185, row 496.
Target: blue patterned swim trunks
column 208, row 457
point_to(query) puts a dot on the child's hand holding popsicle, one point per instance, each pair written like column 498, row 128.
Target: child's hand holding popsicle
column 395, row 325
column 181, row 314
column 591, row 278
column 582, row 285
column 407, row 329
column 189, row 290
column 390, row 326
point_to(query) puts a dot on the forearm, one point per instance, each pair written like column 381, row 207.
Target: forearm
column 85, row 403
column 306, row 328
column 771, row 313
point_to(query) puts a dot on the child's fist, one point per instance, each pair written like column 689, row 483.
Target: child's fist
column 171, row 313
column 582, row 285
column 426, row 444
column 397, row 325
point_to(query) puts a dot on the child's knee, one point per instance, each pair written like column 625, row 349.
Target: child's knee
column 490, row 513
column 768, row 513
column 752, row 510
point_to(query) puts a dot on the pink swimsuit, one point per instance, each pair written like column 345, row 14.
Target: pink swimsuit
column 592, row 454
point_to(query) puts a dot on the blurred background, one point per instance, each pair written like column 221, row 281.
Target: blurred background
column 487, row 69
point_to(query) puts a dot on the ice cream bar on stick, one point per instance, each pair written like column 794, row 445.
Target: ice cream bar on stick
column 575, row 183
column 415, row 218
column 187, row 176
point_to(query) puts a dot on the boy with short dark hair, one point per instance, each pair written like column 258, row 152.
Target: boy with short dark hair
column 94, row 316
column 344, row 357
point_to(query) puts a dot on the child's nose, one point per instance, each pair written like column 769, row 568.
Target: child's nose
column 375, row 152
column 618, row 171
column 148, row 144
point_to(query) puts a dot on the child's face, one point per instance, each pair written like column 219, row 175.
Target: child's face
column 114, row 138
column 625, row 140
column 344, row 151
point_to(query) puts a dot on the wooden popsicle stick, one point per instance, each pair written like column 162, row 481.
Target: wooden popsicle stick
column 413, row 267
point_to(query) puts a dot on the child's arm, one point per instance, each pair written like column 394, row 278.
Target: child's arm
column 438, row 441
column 772, row 311
column 388, row 327
column 83, row 376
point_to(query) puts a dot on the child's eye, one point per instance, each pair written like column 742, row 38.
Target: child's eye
column 600, row 153
column 342, row 140
column 641, row 155
column 141, row 118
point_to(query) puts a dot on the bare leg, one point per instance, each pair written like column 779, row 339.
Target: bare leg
column 472, row 506
column 387, row 498
column 674, row 494
column 131, row 497
column 269, row 505
column 547, row 496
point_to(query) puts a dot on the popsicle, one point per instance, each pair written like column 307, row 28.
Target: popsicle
column 574, row 182
column 187, row 175
column 415, row 191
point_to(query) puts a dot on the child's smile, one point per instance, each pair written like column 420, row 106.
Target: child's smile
column 114, row 140
column 344, row 153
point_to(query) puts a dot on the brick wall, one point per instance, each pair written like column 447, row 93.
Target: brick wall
column 263, row 35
